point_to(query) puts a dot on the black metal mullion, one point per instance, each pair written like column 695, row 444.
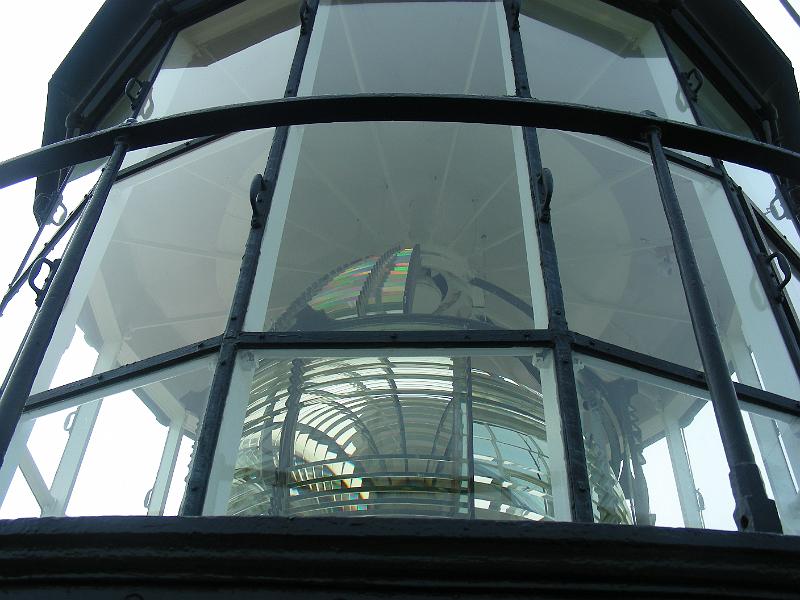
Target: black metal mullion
column 197, row 483
column 754, row 510
column 470, row 435
column 24, row 372
column 281, row 496
column 566, row 390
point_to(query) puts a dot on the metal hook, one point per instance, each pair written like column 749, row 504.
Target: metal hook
column 257, row 188
column 546, row 186
column 36, row 268
column 784, row 266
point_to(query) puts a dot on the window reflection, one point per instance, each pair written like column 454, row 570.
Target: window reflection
column 161, row 268
column 743, row 312
column 399, row 226
column 124, row 450
column 425, row 47
column 414, row 436
column 775, row 439
column 588, row 52
column 654, row 447
column 619, row 275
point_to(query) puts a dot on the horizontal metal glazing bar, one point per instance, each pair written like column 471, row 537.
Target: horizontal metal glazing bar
column 123, row 373
column 396, row 339
column 678, row 373
column 398, row 107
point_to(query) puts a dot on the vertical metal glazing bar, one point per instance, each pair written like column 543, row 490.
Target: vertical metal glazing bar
column 754, row 510
column 469, row 433
column 33, row 350
column 572, row 432
column 280, row 498
column 197, row 484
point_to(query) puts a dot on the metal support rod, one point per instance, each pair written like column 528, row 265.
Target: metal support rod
column 197, row 483
column 470, row 435
column 754, row 510
column 569, row 408
column 281, row 495
column 30, row 358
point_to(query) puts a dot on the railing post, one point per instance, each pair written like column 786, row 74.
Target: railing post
column 754, row 510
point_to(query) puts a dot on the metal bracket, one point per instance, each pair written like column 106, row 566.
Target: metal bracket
column 694, row 80
column 257, row 189
column 545, row 181
column 785, row 268
column 772, row 209
column 36, row 268
column 133, row 81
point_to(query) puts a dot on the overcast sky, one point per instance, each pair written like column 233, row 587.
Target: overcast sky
column 34, row 37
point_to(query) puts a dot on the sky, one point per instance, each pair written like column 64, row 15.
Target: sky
column 35, row 36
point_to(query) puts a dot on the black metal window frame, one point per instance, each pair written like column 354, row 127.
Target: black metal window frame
column 755, row 512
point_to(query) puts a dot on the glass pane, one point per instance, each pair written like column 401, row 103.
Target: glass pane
column 620, row 280
column 775, row 438
column 588, row 52
column 750, row 336
column 399, row 226
column 162, row 265
column 410, row 435
column 242, row 54
column 653, row 449
column 423, row 47
column 761, row 190
column 123, row 450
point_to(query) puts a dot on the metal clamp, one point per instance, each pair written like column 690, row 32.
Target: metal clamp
column 772, row 209
column 694, row 81
column 784, row 266
column 257, row 188
column 546, row 187
column 36, row 268
column 133, row 81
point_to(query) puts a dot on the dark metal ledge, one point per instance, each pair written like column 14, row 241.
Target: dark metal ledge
column 401, row 107
column 174, row 557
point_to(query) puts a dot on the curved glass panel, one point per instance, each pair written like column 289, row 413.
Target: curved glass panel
column 446, row 47
column 750, row 336
column 619, row 276
column 775, row 439
column 399, row 226
column 161, row 268
column 588, row 52
column 760, row 189
column 121, row 450
column 413, row 435
column 242, row 54
column 712, row 107
column 652, row 446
